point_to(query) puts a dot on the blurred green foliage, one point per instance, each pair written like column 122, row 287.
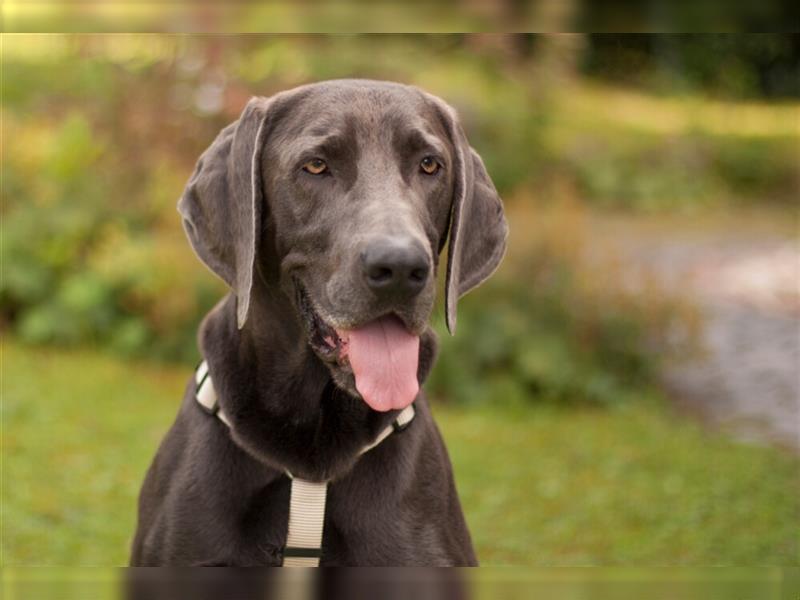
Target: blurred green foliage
column 101, row 133
column 82, row 266
column 553, row 346
column 689, row 172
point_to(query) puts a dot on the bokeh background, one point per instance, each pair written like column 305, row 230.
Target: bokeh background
column 623, row 391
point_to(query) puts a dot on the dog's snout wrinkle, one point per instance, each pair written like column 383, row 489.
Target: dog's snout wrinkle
column 395, row 268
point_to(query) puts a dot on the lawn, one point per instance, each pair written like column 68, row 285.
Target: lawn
column 634, row 485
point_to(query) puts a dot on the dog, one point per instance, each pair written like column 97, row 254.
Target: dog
column 325, row 209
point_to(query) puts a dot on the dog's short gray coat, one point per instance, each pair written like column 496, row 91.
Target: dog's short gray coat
column 277, row 234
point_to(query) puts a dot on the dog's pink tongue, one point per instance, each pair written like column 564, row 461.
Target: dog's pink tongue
column 384, row 356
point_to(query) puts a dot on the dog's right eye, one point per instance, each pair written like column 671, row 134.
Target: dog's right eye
column 429, row 165
column 316, row 166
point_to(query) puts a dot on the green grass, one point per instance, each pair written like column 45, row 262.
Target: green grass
column 633, row 485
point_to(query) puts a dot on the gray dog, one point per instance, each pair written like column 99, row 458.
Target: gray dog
column 324, row 208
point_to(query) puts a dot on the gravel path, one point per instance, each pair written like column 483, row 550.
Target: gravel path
column 747, row 379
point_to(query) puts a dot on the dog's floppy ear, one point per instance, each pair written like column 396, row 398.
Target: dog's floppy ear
column 478, row 228
column 222, row 202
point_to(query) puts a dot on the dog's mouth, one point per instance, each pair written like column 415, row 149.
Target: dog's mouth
column 381, row 355
column 322, row 337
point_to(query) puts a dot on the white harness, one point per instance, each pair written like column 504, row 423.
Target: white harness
column 307, row 498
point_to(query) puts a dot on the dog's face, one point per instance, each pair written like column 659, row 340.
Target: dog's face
column 353, row 186
column 358, row 187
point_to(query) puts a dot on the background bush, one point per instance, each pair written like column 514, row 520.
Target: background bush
column 581, row 335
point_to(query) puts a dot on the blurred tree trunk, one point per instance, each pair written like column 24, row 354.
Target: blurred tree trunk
column 509, row 15
column 557, row 56
column 547, row 59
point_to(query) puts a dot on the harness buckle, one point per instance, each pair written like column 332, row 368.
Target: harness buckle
column 210, row 410
column 404, row 419
column 399, row 427
column 204, row 391
column 296, row 552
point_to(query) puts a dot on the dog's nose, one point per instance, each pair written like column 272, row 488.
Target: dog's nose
column 395, row 267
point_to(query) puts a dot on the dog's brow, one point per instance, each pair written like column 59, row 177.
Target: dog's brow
column 323, row 145
column 320, row 131
column 418, row 140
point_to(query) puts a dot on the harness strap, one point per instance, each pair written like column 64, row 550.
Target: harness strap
column 307, row 498
column 306, row 518
column 206, row 395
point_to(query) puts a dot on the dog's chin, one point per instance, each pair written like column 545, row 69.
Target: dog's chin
column 344, row 379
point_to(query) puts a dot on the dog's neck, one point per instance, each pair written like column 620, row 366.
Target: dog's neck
column 278, row 394
column 269, row 356
column 280, row 397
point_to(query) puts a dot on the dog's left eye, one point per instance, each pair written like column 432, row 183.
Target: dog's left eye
column 429, row 165
column 316, row 166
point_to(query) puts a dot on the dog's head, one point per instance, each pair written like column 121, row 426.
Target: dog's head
column 341, row 195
